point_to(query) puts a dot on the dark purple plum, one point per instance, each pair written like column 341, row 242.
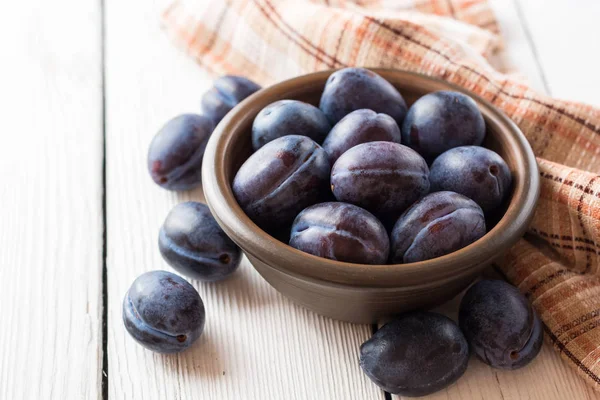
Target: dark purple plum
column 289, row 117
column 281, row 179
column 500, row 325
column 352, row 89
column 415, row 355
column 163, row 312
column 438, row 224
column 342, row 232
column 440, row 121
column 382, row 177
column 192, row 242
column 473, row 171
column 360, row 126
column 176, row 152
column 227, row 92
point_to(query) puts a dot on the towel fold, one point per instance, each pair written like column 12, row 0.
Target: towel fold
column 556, row 265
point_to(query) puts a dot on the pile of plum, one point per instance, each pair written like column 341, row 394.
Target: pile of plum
column 161, row 310
column 420, row 353
column 338, row 179
column 343, row 187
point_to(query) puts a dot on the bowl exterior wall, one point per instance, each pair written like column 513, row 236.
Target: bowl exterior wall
column 360, row 305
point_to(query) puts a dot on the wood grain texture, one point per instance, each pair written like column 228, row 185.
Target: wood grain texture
column 565, row 35
column 257, row 345
column 51, row 196
column 518, row 57
column 548, row 377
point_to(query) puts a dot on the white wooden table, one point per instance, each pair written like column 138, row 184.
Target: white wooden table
column 84, row 86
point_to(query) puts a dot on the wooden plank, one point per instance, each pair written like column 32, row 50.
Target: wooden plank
column 518, row 56
column 565, row 34
column 257, row 345
column 548, row 377
column 51, row 192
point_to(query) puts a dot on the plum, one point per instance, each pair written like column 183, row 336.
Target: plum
column 416, row 354
column 476, row 172
column 176, row 152
column 227, row 92
column 289, row 117
column 352, row 89
column 360, row 126
column 440, row 121
column 163, row 312
column 381, row 177
column 500, row 325
column 342, row 232
column 438, row 224
column 192, row 242
column 281, row 179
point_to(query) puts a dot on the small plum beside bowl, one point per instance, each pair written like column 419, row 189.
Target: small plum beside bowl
column 356, row 292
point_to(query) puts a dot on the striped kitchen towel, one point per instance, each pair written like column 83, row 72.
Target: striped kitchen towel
column 557, row 265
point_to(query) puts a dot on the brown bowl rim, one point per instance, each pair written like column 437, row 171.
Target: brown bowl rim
column 267, row 249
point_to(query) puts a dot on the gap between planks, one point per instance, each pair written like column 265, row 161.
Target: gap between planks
column 256, row 344
column 104, row 382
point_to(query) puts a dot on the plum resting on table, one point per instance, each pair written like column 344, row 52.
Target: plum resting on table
column 352, row 89
column 192, row 242
column 281, row 179
column 440, row 121
column 360, row 126
column 417, row 354
column 227, row 92
column 473, row 171
column 163, row 312
column 342, row 232
column 381, row 177
column 501, row 326
column 438, row 224
column 176, row 152
column 289, row 117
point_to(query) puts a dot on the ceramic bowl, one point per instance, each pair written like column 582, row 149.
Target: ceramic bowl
column 355, row 292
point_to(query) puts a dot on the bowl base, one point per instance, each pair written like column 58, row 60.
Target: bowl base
column 359, row 305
